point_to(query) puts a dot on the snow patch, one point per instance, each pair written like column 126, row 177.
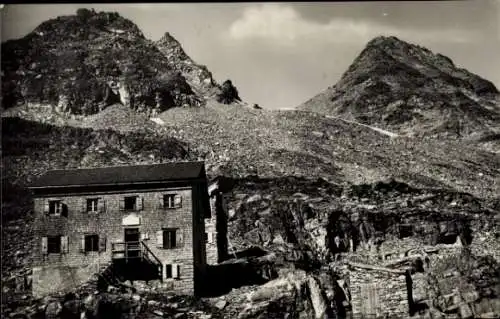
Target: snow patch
column 157, row 120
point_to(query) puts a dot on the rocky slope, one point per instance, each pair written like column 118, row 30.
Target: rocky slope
column 408, row 89
column 238, row 141
column 85, row 62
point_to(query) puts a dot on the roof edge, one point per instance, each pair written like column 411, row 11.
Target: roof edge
column 168, row 181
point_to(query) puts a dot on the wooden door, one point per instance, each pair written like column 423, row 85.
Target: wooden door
column 132, row 236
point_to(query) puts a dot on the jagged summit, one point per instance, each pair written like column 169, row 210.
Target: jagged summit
column 407, row 88
column 197, row 75
column 84, row 62
column 85, row 25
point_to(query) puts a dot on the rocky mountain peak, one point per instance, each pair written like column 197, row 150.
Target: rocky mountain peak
column 409, row 89
column 197, row 75
column 168, row 39
column 69, row 62
column 87, row 25
column 172, row 48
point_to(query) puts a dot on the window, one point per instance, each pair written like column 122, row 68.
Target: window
column 92, row 205
column 172, row 271
column 169, row 238
column 134, row 203
column 55, row 207
column 172, row 201
column 130, row 202
column 168, row 270
column 91, row 243
column 54, row 244
column 168, row 201
column 205, row 238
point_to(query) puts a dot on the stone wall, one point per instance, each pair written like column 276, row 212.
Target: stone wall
column 211, row 233
column 216, row 229
column 150, row 220
column 378, row 293
column 50, row 279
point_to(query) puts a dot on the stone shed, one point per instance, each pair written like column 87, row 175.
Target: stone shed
column 378, row 292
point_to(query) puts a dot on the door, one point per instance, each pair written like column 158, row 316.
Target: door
column 132, row 237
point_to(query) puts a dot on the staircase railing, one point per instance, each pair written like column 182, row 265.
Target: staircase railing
column 127, row 250
column 136, row 250
column 148, row 254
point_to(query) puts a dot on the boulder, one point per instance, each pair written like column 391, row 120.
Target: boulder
column 72, row 309
column 91, row 305
column 53, row 310
column 253, row 198
column 317, row 300
column 221, row 304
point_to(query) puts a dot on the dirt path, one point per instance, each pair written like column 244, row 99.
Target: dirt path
column 391, row 134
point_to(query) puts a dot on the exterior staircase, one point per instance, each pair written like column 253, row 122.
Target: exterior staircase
column 136, row 261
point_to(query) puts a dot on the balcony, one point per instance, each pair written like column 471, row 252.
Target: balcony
column 136, row 255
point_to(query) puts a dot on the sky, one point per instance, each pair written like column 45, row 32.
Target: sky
column 281, row 54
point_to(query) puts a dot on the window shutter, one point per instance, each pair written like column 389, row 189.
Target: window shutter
column 159, row 239
column 46, row 207
column 44, row 245
column 101, row 205
column 177, row 201
column 64, row 244
column 140, row 202
column 58, row 206
column 179, row 238
column 102, row 243
column 122, row 204
column 175, row 271
column 82, row 243
column 64, row 210
column 84, row 205
column 161, row 202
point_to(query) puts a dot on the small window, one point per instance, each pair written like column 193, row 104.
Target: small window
column 168, row 270
column 54, row 244
column 168, row 201
column 91, row 243
column 172, row 271
column 92, row 205
column 130, row 202
column 205, row 238
column 169, row 238
column 55, row 207
column 172, row 201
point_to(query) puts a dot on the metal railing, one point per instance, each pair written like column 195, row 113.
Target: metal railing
column 148, row 254
column 126, row 250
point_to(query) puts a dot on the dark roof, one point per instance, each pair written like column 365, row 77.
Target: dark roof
column 119, row 175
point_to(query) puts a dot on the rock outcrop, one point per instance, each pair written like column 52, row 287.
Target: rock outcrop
column 198, row 76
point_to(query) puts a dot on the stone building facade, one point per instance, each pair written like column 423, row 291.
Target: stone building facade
column 216, row 225
column 378, row 292
column 87, row 218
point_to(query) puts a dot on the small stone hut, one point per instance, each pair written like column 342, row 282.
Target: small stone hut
column 378, row 292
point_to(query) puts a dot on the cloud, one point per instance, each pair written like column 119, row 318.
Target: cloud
column 282, row 24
